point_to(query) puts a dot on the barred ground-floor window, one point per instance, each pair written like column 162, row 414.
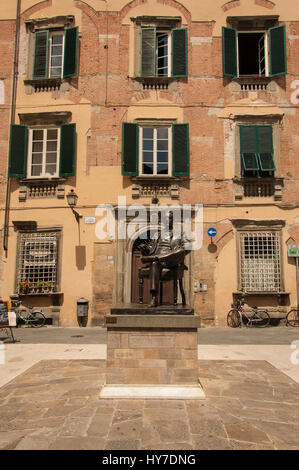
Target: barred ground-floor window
column 37, row 262
column 260, row 261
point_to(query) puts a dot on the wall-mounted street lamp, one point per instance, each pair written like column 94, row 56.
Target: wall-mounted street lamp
column 72, row 198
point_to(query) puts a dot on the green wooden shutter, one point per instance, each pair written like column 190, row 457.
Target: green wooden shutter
column 277, row 46
column 265, row 148
column 179, row 52
column 229, row 52
column 148, row 52
column 70, row 52
column 130, row 146
column 67, row 149
column 180, row 149
column 248, row 148
column 41, row 50
column 18, row 151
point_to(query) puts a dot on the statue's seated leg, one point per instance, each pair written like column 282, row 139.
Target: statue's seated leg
column 140, row 287
column 175, row 289
column 154, row 282
column 182, row 292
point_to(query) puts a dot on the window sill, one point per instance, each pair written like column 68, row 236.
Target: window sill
column 155, row 178
column 40, row 188
column 40, row 294
column 46, row 179
column 258, row 188
column 46, row 84
column 251, row 294
column 155, row 83
column 252, row 83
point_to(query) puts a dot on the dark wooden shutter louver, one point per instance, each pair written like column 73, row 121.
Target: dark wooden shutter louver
column 130, row 149
column 18, row 151
column 70, row 52
column 179, row 52
column 67, row 149
column 148, row 52
column 40, row 67
column 229, row 51
column 180, row 137
column 265, row 148
column 248, row 148
column 278, row 57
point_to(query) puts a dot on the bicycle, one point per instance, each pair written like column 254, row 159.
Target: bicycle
column 36, row 318
column 292, row 318
column 255, row 316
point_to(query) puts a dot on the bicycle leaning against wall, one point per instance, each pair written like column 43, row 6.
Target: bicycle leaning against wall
column 253, row 317
column 34, row 318
column 292, row 318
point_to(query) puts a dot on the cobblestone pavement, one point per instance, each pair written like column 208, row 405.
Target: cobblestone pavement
column 55, row 405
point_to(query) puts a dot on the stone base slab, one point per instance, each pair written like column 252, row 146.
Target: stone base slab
column 150, row 391
column 144, row 309
column 168, row 322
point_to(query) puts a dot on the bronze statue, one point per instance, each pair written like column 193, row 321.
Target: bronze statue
column 164, row 261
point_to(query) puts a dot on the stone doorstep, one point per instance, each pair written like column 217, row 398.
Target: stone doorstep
column 176, row 392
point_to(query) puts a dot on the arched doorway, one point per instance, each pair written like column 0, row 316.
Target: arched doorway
column 168, row 291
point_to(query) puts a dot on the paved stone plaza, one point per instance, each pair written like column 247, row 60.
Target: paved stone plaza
column 55, row 404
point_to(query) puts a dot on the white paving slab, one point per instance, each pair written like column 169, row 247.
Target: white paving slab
column 153, row 391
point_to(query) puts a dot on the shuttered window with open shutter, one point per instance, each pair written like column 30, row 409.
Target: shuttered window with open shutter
column 130, row 149
column 256, row 146
column 148, row 52
column 18, row 151
column 229, row 52
column 67, row 149
column 179, row 52
column 277, row 47
column 244, row 53
column 163, row 51
column 162, row 150
column 70, row 52
column 265, row 148
column 55, row 53
column 41, row 50
column 180, row 138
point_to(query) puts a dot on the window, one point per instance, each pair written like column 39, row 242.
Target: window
column 42, row 152
column 256, row 148
column 37, row 262
column 155, row 150
column 161, row 49
column 260, row 261
column 55, row 53
column 254, row 53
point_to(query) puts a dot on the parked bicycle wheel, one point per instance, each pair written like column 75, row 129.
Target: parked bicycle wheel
column 293, row 317
column 260, row 318
column 37, row 319
column 233, row 318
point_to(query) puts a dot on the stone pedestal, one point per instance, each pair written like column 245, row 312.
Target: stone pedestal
column 152, row 356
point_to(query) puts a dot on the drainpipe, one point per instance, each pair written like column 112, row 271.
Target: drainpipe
column 12, row 121
column 106, row 47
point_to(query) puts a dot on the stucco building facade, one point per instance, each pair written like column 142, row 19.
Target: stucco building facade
column 154, row 101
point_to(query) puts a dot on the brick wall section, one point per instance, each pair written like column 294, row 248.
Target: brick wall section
column 202, row 97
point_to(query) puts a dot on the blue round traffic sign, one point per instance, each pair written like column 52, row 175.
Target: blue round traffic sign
column 212, row 232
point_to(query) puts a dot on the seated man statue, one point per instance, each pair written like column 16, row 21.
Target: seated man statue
column 164, row 259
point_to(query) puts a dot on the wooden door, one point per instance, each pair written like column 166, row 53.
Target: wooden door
column 168, row 291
